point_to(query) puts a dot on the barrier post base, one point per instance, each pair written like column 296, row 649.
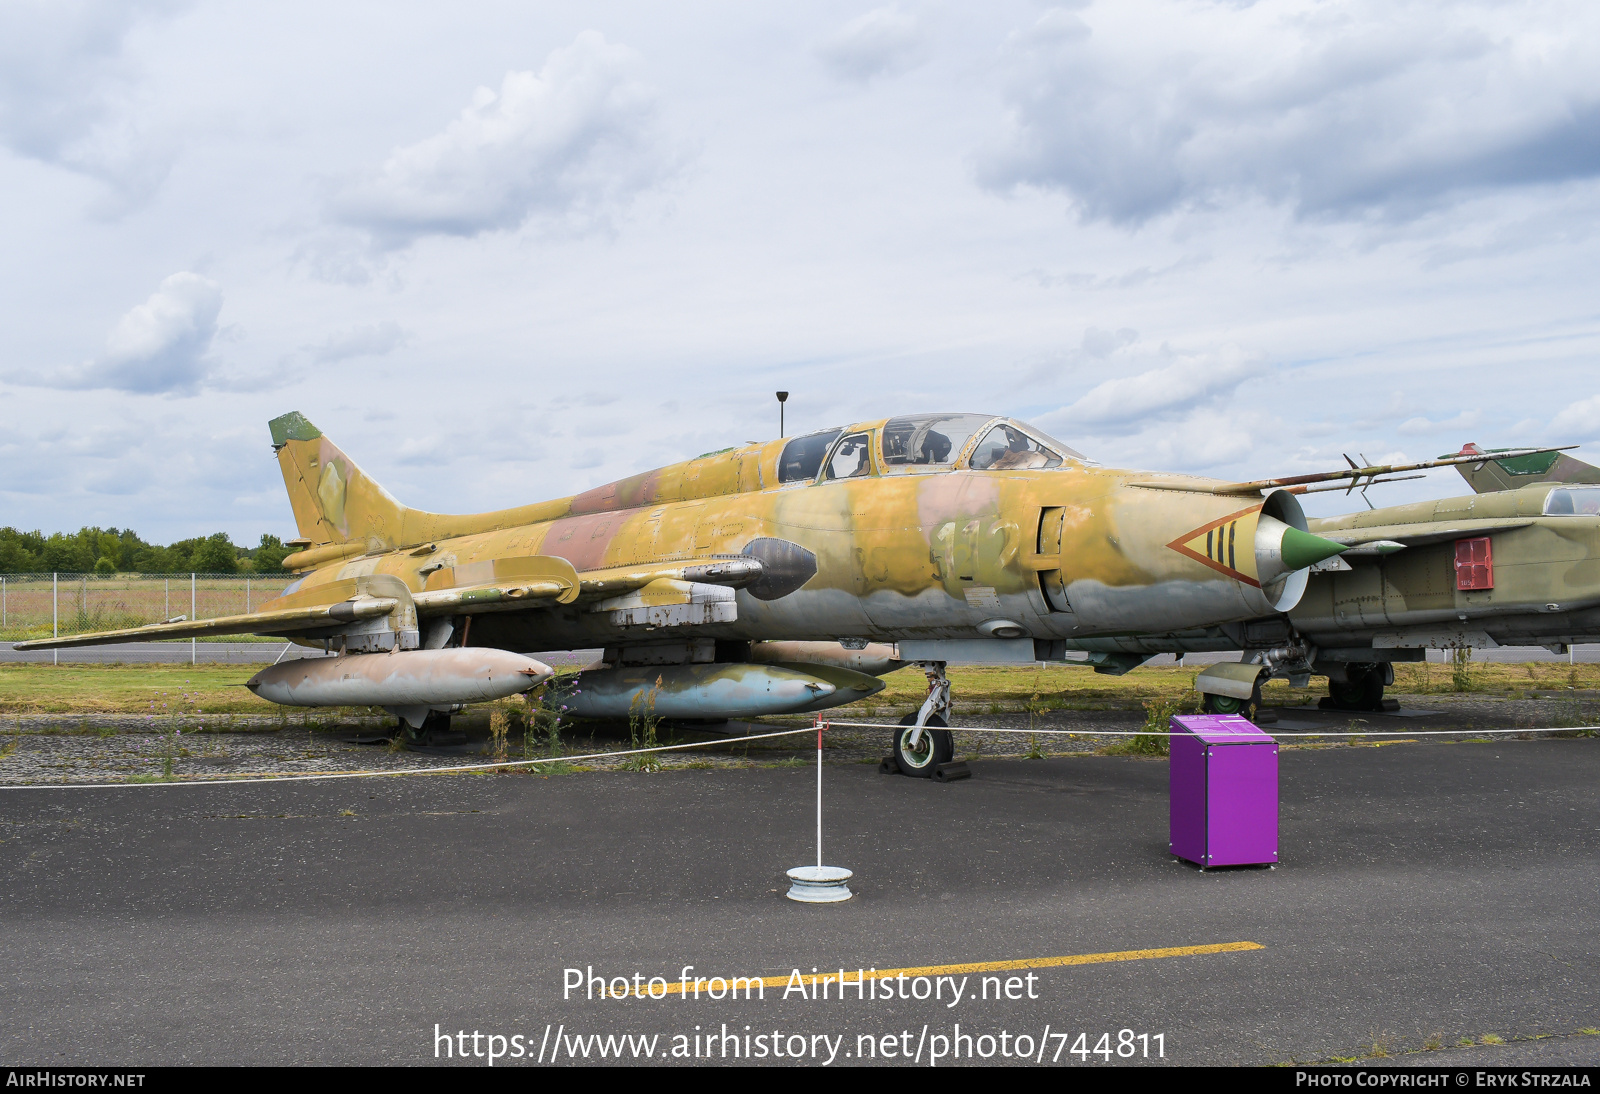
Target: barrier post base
column 819, row 884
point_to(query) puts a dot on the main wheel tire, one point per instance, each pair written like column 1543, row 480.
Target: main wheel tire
column 936, row 747
column 435, row 730
column 1228, row 704
column 1361, row 690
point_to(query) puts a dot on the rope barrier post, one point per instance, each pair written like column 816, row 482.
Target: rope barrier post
column 193, row 615
column 819, row 884
column 55, row 615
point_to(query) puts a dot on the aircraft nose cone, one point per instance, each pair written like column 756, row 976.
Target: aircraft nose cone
column 1302, row 549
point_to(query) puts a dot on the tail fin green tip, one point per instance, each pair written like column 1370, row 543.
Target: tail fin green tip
column 292, row 426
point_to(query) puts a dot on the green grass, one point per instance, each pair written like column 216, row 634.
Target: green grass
column 218, row 689
column 129, row 689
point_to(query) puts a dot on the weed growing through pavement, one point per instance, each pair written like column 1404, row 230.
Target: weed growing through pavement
column 1355, row 725
column 1461, row 669
column 642, row 725
column 1033, row 751
column 499, row 726
column 1492, row 1039
column 975, row 743
column 544, row 725
column 1157, row 722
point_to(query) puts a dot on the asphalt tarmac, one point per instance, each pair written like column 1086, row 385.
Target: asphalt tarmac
column 1427, row 894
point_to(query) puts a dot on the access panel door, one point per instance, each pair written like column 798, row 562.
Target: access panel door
column 1241, row 804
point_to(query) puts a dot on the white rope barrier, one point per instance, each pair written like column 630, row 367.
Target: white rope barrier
column 274, row 777
column 269, row 777
column 1266, row 729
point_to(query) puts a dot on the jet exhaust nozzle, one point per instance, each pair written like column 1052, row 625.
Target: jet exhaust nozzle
column 1282, row 549
column 1285, row 550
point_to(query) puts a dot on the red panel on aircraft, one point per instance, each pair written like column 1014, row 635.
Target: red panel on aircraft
column 1474, row 564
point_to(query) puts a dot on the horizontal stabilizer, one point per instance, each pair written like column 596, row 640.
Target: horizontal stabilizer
column 1503, row 469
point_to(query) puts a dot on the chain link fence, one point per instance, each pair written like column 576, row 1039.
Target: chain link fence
column 49, row 605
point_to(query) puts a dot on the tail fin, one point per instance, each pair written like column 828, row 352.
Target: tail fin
column 333, row 501
column 1491, row 474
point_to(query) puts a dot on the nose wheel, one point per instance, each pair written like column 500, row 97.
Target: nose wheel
column 1228, row 704
column 924, row 743
column 932, row 747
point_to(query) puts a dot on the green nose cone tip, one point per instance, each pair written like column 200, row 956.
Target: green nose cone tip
column 1302, row 549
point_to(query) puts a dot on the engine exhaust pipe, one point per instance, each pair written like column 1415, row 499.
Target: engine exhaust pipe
column 1285, row 550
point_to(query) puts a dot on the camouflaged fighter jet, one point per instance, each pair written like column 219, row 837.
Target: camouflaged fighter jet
column 1515, row 564
column 750, row 581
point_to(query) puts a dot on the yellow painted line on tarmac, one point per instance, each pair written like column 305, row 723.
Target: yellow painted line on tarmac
column 681, row 985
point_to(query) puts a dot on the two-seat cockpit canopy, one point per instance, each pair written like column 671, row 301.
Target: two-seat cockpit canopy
column 922, row 444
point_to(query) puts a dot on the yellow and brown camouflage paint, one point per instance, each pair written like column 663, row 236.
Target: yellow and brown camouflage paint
column 1065, row 552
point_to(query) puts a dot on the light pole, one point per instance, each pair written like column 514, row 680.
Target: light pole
column 783, row 397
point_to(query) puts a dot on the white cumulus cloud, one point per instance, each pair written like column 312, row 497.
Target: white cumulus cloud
column 572, row 141
column 369, row 341
column 1189, row 381
column 161, row 346
column 883, row 42
column 1341, row 108
column 1579, row 421
column 68, row 92
column 1421, row 426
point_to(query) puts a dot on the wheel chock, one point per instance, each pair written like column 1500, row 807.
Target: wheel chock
column 950, row 772
column 888, row 766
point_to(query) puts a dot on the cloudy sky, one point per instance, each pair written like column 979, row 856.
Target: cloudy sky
column 502, row 251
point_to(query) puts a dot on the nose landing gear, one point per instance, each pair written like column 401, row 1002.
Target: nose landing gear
column 924, row 748
column 918, row 750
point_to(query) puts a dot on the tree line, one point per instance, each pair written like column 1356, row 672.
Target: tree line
column 115, row 551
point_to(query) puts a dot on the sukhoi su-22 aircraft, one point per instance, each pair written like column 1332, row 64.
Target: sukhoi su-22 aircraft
column 751, row 581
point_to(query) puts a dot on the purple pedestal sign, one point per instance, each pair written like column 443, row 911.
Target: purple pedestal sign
column 1224, row 791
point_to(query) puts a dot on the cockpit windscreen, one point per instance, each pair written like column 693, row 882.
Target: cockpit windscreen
column 802, row 457
column 1007, row 448
column 929, row 440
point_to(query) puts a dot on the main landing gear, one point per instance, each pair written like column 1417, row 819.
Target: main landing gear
column 434, row 732
column 1361, row 687
column 1228, row 704
column 924, row 748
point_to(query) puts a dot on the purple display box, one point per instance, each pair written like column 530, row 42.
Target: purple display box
column 1224, row 791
